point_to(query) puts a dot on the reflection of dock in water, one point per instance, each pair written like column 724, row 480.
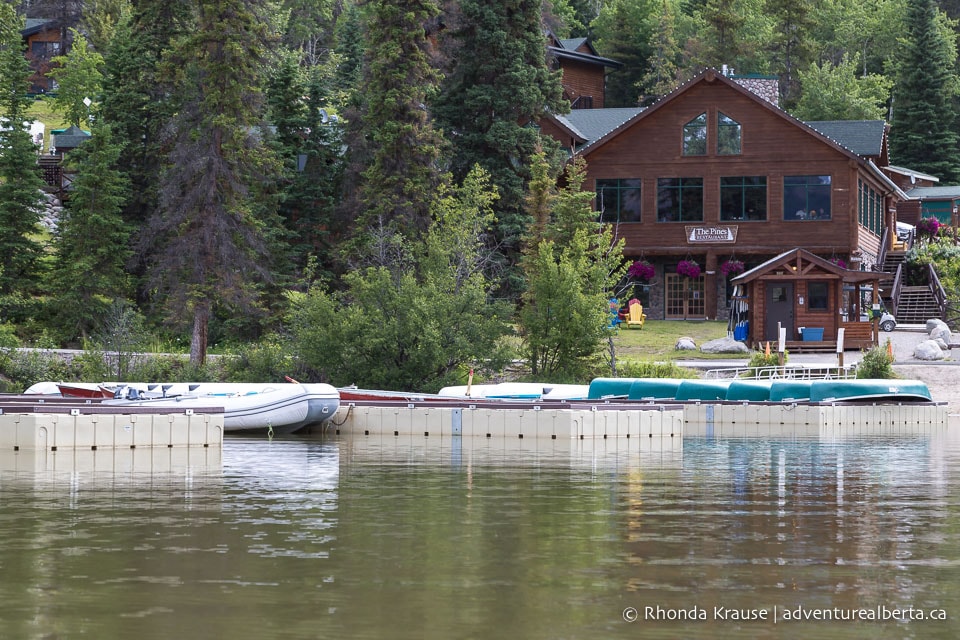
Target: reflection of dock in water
column 137, row 464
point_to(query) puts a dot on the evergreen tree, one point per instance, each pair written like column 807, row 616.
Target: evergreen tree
column 570, row 263
column 79, row 81
column 495, row 94
column 211, row 235
column 138, row 100
column 791, row 44
column 308, row 140
column 664, row 74
column 100, row 20
column 922, row 135
column 20, row 182
column 624, row 30
column 399, row 184
column 92, row 239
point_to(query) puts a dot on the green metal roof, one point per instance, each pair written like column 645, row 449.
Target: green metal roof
column 592, row 124
column 863, row 137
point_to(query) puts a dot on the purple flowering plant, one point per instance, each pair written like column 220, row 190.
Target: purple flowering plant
column 731, row 267
column 641, row 270
column 689, row 269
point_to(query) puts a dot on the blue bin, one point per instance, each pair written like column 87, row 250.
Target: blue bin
column 813, row 334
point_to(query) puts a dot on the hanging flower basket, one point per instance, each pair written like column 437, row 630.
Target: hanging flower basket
column 731, row 267
column 641, row 270
column 840, row 263
column 688, row 269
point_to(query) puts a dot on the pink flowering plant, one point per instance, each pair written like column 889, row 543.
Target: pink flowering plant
column 840, row 263
column 641, row 270
column 928, row 227
column 731, row 267
column 689, row 269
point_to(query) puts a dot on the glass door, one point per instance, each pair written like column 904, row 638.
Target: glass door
column 685, row 297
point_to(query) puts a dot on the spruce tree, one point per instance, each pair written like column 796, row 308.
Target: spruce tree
column 496, row 92
column 138, row 100
column 211, row 236
column 20, row 182
column 398, row 185
column 91, row 240
column 922, row 135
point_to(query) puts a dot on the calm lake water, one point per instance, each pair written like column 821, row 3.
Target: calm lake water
column 312, row 537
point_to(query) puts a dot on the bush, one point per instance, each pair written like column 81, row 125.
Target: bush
column 633, row 369
column 876, row 363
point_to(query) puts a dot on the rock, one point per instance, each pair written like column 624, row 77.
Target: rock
column 685, row 343
column 724, row 345
column 928, row 350
column 933, row 323
column 940, row 343
column 941, row 332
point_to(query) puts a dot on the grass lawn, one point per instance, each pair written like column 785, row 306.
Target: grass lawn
column 656, row 341
column 42, row 110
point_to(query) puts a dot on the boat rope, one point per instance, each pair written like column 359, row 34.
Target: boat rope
column 270, row 432
column 345, row 416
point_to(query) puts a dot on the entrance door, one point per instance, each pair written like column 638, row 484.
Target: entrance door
column 684, row 297
column 779, row 310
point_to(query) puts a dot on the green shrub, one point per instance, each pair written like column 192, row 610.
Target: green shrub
column 633, row 369
column 876, row 363
column 760, row 359
column 268, row 360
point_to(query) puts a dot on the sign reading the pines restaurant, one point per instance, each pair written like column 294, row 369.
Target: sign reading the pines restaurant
column 713, row 234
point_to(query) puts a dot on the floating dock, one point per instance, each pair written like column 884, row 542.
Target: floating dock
column 55, row 424
column 512, row 420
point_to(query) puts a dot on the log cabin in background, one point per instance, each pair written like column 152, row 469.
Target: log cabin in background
column 717, row 172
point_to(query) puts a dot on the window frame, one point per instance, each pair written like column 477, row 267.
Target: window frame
column 729, row 190
column 695, row 132
column 620, row 189
column 825, row 296
column 727, row 124
column 687, row 190
column 815, row 191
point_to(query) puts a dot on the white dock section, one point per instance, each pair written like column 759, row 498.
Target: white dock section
column 825, row 420
column 76, row 430
column 511, row 421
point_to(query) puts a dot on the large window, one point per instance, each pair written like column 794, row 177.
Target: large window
column 618, row 200
column 695, row 136
column 728, row 136
column 680, row 199
column 743, row 198
column 806, row 197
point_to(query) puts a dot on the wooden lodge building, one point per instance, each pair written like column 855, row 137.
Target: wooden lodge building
column 716, row 172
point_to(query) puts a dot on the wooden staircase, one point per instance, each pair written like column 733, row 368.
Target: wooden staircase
column 916, row 305
column 892, row 260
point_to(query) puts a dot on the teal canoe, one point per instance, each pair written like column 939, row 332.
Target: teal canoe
column 654, row 389
column 787, row 390
column 601, row 388
column 749, row 390
column 869, row 389
column 702, row 390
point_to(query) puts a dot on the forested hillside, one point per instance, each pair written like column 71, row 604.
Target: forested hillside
column 262, row 170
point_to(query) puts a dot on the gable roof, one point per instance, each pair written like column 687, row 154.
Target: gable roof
column 797, row 258
column 860, row 136
column 863, row 137
column 570, row 48
column 36, row 25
